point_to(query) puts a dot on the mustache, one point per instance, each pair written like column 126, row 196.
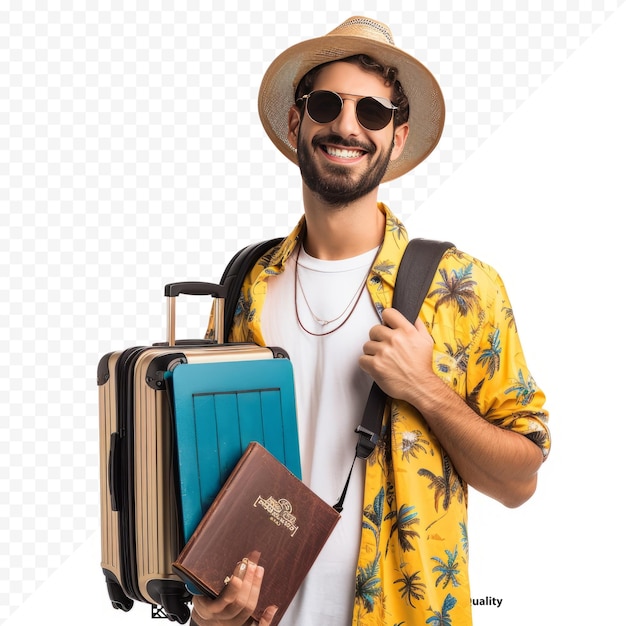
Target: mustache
column 337, row 140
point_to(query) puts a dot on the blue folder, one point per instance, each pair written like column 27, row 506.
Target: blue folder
column 219, row 408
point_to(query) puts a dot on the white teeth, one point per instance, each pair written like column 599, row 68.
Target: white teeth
column 343, row 153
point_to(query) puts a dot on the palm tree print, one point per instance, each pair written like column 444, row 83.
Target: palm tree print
column 491, row 356
column 373, row 515
column 382, row 451
column 266, row 260
column 390, row 494
column 441, row 618
column 539, row 437
column 412, row 443
column 447, row 570
column 243, row 307
column 445, row 486
column 396, row 228
column 410, row 587
column 404, row 519
column 379, row 310
column 508, row 314
column 524, row 389
column 459, row 355
column 457, row 289
column 384, row 267
column 464, row 537
column 368, row 585
column 472, row 397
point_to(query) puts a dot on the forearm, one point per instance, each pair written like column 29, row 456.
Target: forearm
column 498, row 462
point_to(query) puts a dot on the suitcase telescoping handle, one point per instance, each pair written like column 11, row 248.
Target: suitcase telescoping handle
column 218, row 292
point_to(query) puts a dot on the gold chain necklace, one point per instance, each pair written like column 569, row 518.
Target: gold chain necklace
column 354, row 301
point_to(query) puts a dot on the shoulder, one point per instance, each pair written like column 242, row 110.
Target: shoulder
column 459, row 268
column 272, row 258
column 466, row 293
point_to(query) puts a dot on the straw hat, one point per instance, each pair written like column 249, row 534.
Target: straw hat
column 358, row 35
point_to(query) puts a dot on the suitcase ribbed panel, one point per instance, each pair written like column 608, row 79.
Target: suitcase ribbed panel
column 157, row 543
column 108, row 518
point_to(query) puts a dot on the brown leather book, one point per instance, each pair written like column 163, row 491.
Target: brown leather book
column 262, row 507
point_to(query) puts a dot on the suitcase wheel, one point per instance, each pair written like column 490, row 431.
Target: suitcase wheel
column 176, row 608
column 119, row 599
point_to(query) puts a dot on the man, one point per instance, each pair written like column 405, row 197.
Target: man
column 464, row 408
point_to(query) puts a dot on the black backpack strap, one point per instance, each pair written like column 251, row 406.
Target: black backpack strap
column 415, row 275
column 235, row 273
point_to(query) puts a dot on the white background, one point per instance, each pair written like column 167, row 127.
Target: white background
column 131, row 155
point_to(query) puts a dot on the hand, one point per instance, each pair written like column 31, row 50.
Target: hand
column 398, row 355
column 234, row 606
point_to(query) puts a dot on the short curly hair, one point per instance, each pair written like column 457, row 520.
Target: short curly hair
column 387, row 73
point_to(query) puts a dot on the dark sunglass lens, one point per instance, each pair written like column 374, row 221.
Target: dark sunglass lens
column 324, row 106
column 372, row 114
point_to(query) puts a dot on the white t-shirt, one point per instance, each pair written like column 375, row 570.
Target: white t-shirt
column 331, row 392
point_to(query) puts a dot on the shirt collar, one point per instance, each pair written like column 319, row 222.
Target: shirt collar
column 382, row 278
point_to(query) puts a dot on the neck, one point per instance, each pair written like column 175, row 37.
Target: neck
column 342, row 232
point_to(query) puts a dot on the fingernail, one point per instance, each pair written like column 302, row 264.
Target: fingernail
column 241, row 569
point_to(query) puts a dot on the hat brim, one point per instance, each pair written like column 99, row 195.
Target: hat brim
column 426, row 103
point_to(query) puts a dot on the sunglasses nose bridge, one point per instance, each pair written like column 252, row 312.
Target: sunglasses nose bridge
column 347, row 115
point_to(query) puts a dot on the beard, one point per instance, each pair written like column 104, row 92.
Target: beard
column 337, row 185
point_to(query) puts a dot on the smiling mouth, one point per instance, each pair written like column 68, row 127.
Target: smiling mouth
column 343, row 153
column 339, row 149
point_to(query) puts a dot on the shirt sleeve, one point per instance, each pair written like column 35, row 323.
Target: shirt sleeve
column 500, row 386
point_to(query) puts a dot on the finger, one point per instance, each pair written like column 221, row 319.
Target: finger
column 255, row 589
column 268, row 616
column 420, row 325
column 237, row 593
column 366, row 364
column 370, row 348
column 394, row 319
column 380, row 332
column 251, row 574
column 234, row 597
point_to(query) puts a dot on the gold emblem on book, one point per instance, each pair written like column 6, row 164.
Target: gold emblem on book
column 280, row 512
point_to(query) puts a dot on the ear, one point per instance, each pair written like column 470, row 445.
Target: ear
column 293, row 126
column 400, row 135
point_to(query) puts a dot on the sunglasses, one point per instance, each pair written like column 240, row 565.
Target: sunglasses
column 372, row 112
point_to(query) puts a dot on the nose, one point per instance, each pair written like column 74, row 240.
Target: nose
column 346, row 122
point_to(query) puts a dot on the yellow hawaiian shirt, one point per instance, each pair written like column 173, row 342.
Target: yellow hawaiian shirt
column 413, row 560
